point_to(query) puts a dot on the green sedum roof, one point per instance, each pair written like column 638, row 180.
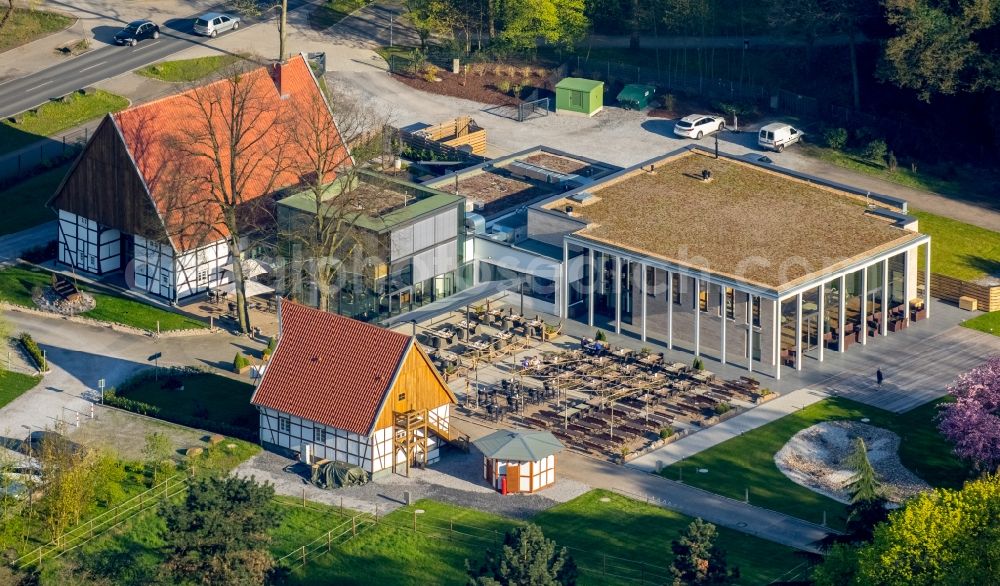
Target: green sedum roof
column 521, row 446
column 578, row 84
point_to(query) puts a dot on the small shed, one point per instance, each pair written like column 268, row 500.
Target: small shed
column 636, row 96
column 575, row 95
column 519, row 461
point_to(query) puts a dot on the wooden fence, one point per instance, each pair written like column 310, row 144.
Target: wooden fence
column 423, row 148
column 950, row 289
column 104, row 522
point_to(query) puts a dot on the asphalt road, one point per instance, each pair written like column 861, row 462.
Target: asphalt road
column 18, row 95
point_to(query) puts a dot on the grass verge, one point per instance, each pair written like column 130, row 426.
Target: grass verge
column 988, row 322
column 28, row 25
column 747, row 461
column 57, row 116
column 959, row 181
column 15, row 384
column 331, row 12
column 25, row 201
column 960, row 250
column 17, row 283
column 188, row 69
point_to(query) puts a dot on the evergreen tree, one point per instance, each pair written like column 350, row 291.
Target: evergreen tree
column 525, row 558
column 697, row 560
column 864, row 486
column 219, row 533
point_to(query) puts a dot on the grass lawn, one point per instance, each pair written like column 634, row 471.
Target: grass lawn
column 55, row 117
column 205, row 396
column 331, row 12
column 15, row 384
column 25, row 201
column 187, row 69
column 17, row 282
column 960, row 250
column 747, row 461
column 961, row 181
column 988, row 322
column 27, row 25
column 392, row 553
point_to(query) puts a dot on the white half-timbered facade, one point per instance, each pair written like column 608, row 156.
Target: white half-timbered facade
column 344, row 390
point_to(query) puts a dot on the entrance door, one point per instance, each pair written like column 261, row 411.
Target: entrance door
column 513, row 478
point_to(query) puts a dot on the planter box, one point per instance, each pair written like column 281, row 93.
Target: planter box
column 968, row 303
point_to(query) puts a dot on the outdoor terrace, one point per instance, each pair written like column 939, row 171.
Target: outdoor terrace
column 747, row 222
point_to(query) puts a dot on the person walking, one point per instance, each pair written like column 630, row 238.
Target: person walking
column 878, row 376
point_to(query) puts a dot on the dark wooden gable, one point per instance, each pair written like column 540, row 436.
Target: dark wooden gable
column 104, row 185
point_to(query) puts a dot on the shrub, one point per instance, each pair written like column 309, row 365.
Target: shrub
column 722, row 407
column 515, row 90
column 669, row 101
column 240, row 362
column 504, row 86
column 835, row 138
column 601, row 336
column 666, row 432
column 31, row 347
column 40, row 254
column 698, row 363
column 765, row 392
column 875, row 151
column 891, row 161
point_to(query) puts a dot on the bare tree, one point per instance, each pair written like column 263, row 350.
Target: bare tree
column 338, row 199
column 232, row 153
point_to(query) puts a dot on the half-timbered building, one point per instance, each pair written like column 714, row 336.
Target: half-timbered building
column 144, row 197
column 344, row 390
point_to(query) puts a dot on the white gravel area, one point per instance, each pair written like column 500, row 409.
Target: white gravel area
column 816, row 458
column 455, row 479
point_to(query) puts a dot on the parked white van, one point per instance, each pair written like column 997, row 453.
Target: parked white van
column 776, row 136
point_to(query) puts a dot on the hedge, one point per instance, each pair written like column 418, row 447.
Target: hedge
column 33, row 350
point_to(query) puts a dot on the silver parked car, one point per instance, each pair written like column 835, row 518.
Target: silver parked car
column 213, row 23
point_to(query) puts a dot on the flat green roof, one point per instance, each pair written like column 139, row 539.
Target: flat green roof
column 432, row 200
column 578, row 84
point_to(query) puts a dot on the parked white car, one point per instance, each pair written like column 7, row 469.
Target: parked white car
column 698, row 125
column 213, row 23
column 776, row 136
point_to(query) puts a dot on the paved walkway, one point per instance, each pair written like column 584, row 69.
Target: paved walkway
column 742, row 423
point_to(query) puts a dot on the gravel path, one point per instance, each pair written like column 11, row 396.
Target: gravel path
column 454, row 480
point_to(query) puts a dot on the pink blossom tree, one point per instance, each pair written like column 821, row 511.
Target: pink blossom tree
column 972, row 422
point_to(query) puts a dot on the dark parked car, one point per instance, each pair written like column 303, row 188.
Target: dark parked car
column 136, row 31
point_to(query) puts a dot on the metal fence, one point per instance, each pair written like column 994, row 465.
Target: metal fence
column 48, row 152
column 533, row 109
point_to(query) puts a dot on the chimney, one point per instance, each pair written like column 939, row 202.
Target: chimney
column 277, row 77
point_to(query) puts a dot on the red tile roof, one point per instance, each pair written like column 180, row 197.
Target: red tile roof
column 331, row 369
column 169, row 140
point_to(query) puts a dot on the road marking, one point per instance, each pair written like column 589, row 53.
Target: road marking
column 38, row 86
column 93, row 66
column 144, row 46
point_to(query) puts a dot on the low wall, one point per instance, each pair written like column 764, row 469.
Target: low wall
column 950, row 289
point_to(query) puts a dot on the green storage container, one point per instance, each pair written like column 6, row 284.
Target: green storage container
column 636, row 96
column 576, row 95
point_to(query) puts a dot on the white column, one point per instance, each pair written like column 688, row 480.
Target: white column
column 884, row 323
column 906, row 286
column 642, row 290
column 749, row 332
column 842, row 315
column 798, row 332
column 618, row 294
column 590, row 286
column 670, row 310
column 821, row 320
column 864, row 306
column 776, row 338
column 564, row 313
column 697, row 316
column 927, row 280
column 722, row 314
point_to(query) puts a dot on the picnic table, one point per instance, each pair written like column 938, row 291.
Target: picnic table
column 467, row 325
column 502, row 336
column 478, row 346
